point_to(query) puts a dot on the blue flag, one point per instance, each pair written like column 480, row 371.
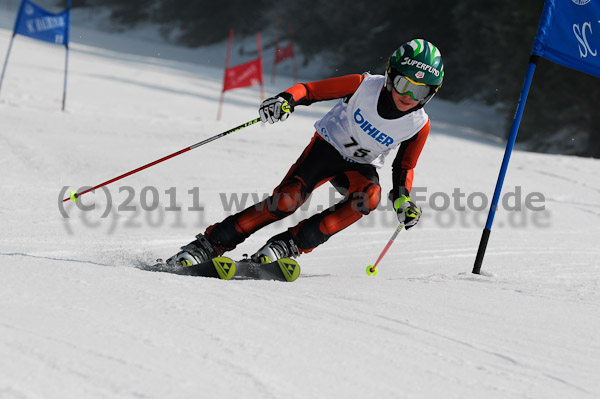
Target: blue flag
column 569, row 34
column 35, row 22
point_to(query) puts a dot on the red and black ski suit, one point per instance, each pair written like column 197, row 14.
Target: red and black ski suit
column 319, row 163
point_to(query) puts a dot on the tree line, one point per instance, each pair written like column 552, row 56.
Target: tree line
column 485, row 47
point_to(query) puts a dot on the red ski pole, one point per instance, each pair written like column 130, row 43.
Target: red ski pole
column 372, row 269
column 74, row 195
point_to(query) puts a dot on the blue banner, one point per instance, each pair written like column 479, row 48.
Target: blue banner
column 569, row 34
column 35, row 22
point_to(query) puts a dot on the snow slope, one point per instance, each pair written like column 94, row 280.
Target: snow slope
column 78, row 320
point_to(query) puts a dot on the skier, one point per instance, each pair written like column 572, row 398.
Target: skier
column 375, row 115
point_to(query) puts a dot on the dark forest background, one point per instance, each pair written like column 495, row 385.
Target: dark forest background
column 485, row 47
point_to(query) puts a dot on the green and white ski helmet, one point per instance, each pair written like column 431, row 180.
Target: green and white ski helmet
column 418, row 60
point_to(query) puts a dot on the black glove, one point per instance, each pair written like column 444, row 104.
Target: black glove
column 277, row 108
column 407, row 211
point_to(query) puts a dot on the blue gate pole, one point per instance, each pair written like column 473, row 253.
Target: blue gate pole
column 6, row 60
column 68, row 31
column 17, row 20
column 509, row 147
column 65, row 85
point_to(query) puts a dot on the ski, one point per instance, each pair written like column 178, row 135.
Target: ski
column 225, row 268
column 285, row 269
column 221, row 267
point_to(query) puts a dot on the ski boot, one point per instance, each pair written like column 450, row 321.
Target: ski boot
column 198, row 251
column 278, row 247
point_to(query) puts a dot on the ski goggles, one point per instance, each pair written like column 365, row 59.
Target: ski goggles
column 405, row 85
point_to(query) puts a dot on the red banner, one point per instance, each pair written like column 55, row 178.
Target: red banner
column 283, row 53
column 243, row 75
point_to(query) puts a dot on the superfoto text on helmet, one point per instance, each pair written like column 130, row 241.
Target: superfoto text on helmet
column 420, row 65
column 372, row 130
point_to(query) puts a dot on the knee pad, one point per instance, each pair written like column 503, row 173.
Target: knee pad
column 366, row 200
column 288, row 198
